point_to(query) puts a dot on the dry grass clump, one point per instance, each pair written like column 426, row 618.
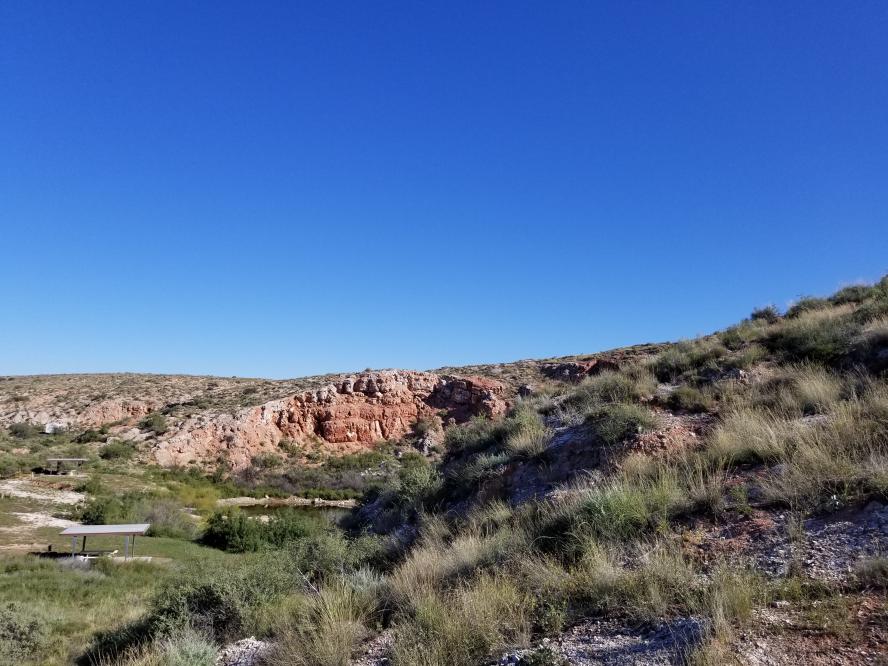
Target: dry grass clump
column 530, row 437
column 435, row 563
column 629, row 385
column 332, row 624
column 688, row 355
column 872, row 572
column 184, row 648
column 463, row 625
column 749, row 436
column 839, row 456
column 810, row 390
column 822, row 335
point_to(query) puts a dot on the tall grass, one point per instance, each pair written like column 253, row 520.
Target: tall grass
column 463, row 625
column 330, row 627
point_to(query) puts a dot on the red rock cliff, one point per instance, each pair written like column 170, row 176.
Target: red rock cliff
column 348, row 416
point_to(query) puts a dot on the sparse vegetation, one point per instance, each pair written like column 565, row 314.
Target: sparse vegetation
column 155, row 423
column 577, row 504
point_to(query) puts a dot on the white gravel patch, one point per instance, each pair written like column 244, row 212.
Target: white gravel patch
column 25, row 489
column 42, row 520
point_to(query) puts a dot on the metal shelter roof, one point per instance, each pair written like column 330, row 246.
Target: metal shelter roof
column 90, row 530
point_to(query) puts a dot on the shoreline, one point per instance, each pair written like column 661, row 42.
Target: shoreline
column 287, row 501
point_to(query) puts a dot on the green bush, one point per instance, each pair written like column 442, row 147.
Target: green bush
column 118, row 450
column 689, row 399
column 154, row 422
column 166, row 516
column 769, row 314
column 220, row 603
column 822, row 337
column 617, row 422
column 187, row 648
column 685, row 356
column 417, row 481
column 806, row 304
column 855, row 293
column 236, row 532
column 22, row 633
column 872, row 572
column 478, row 434
column 266, row 461
column 91, row 435
column 23, row 430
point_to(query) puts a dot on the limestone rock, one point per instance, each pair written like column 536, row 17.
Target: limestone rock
column 348, row 416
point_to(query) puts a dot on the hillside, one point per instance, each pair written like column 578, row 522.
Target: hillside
column 711, row 501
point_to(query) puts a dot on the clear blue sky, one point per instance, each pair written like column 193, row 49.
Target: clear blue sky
column 285, row 188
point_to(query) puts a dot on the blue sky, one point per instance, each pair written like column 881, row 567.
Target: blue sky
column 284, row 188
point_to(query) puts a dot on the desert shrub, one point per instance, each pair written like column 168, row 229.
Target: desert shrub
column 832, row 461
column 220, row 603
column 332, row 625
column 872, row 572
column 768, row 314
column 869, row 345
column 609, row 387
column 749, row 436
column 425, row 425
column 855, row 293
column 23, row 430
column 624, row 509
column 435, row 562
column 689, row 399
column 730, row 598
column 745, row 357
column 118, row 450
column 23, row 633
column 91, row 435
column 184, row 648
column 233, row 530
column 810, row 390
column 463, row 626
column 104, row 510
column 530, row 436
column 682, row 357
column 660, row 586
column 617, row 422
column 876, row 304
column 154, row 422
column 746, row 332
column 821, row 336
column 478, row 468
column 806, row 304
column 479, row 433
column 417, row 480
column 167, row 518
column 266, row 461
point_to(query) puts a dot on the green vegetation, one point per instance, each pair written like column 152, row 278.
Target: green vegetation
column 155, row 423
column 509, row 534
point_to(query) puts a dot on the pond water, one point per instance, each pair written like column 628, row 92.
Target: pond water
column 331, row 513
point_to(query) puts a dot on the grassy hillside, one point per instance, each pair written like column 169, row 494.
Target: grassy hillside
column 717, row 500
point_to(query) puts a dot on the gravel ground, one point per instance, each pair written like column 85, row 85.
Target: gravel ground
column 246, row 652
column 26, row 489
column 827, row 550
column 609, row 643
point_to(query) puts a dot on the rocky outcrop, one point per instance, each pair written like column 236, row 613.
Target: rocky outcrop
column 575, row 371
column 345, row 416
column 116, row 410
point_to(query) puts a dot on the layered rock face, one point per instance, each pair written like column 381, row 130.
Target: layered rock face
column 575, row 371
column 345, row 417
